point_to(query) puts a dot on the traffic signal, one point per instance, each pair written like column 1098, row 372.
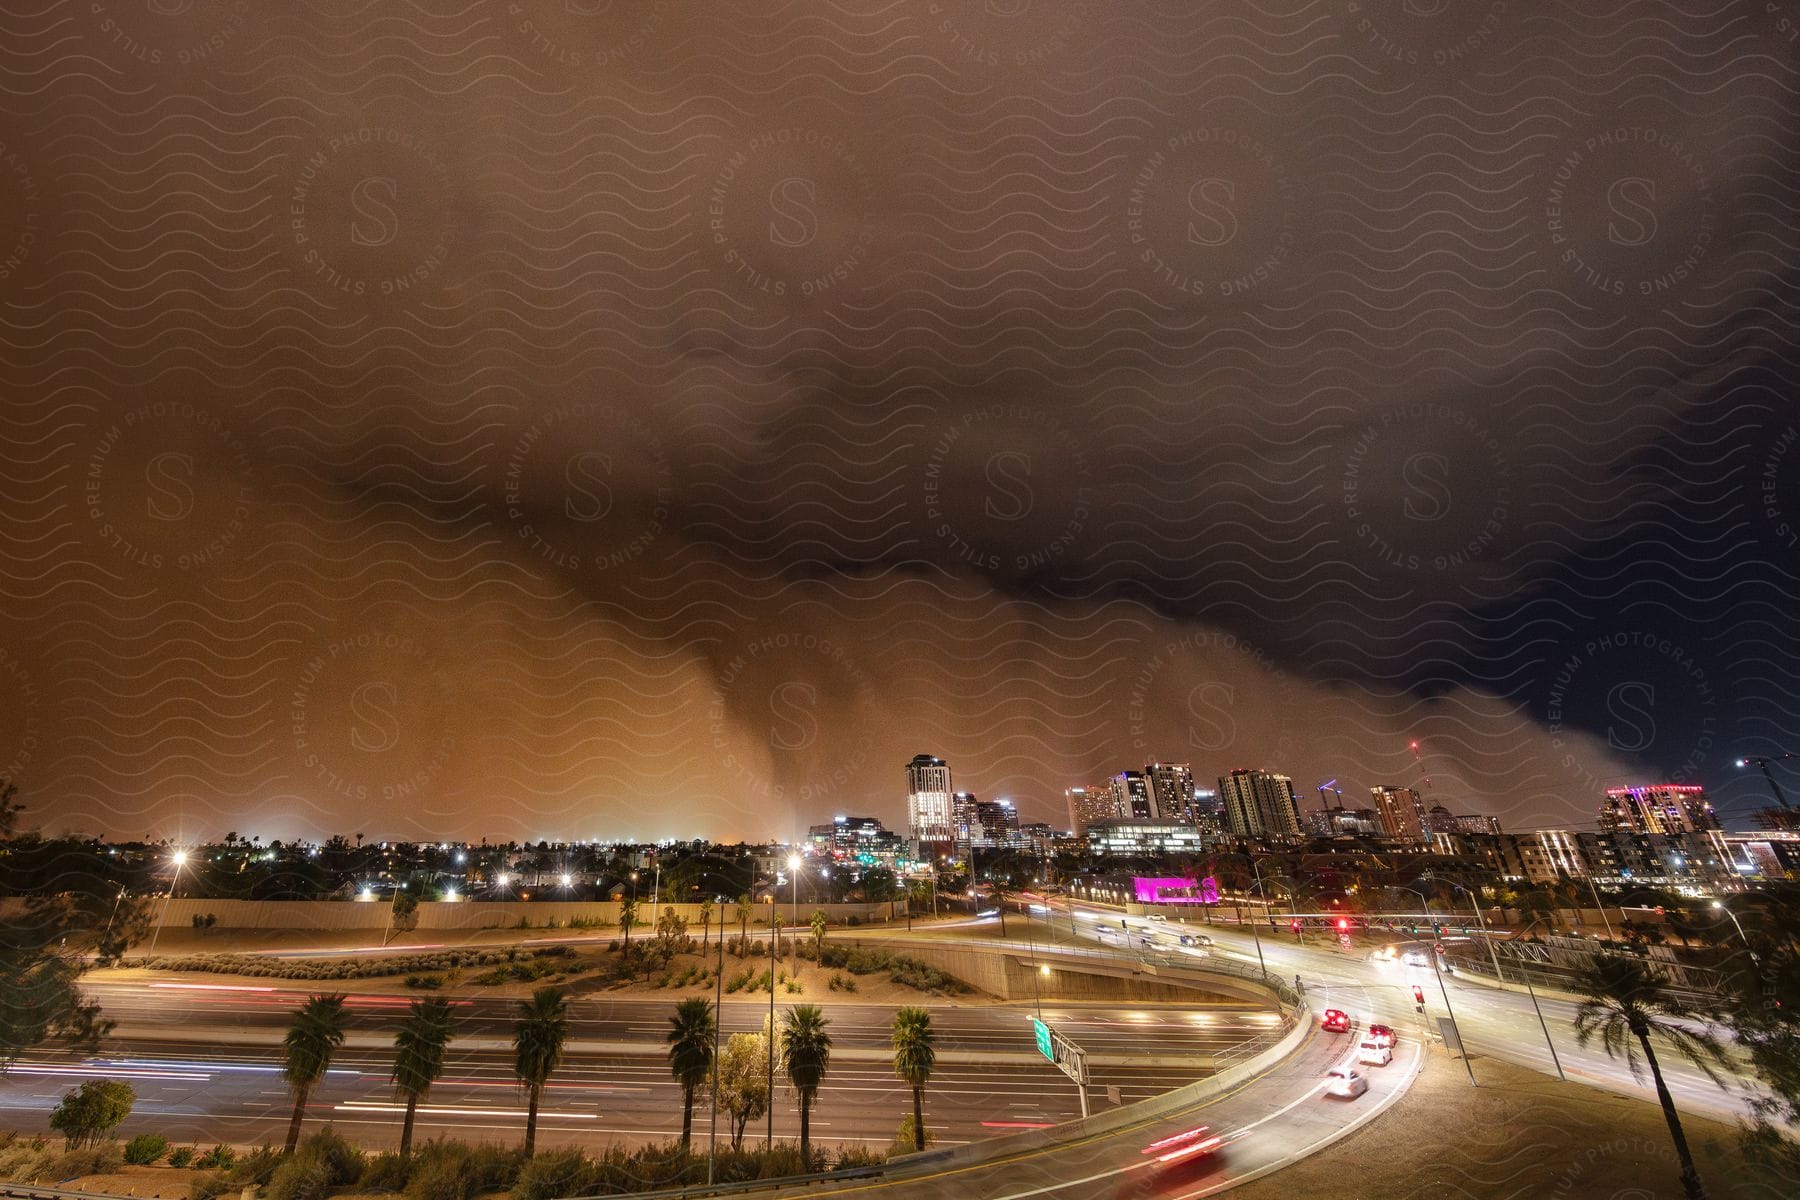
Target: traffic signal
column 1419, row 997
column 1294, row 925
column 1343, row 925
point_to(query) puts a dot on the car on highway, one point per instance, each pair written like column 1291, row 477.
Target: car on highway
column 1346, row 1083
column 1335, row 1020
column 1195, row 939
column 1385, row 954
column 1415, row 958
column 1382, row 1034
column 1188, row 1144
column 1374, row 1053
column 1156, row 917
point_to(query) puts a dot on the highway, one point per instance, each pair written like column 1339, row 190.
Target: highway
column 1269, row 1121
column 1493, row 1022
column 204, row 1060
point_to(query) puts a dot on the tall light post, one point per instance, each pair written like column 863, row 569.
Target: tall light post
column 1475, row 902
column 1438, row 971
column 774, row 942
column 1720, row 905
column 712, row 1138
column 1525, row 974
column 179, row 858
column 794, row 907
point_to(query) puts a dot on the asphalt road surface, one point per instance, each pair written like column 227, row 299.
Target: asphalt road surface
column 1500, row 1024
column 204, row 1060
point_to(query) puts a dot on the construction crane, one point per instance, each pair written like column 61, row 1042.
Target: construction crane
column 1763, row 762
column 1424, row 779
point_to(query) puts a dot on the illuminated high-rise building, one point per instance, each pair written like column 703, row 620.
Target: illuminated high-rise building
column 1659, row 808
column 1260, row 804
column 1402, row 812
column 1087, row 805
column 929, row 816
column 1171, row 790
column 1131, row 796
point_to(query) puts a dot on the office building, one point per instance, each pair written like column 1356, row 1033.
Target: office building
column 1141, row 839
column 928, row 813
column 1260, row 804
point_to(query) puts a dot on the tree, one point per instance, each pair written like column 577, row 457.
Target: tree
column 1626, row 1000
column 419, row 1058
column 92, row 1111
column 806, row 1054
column 1763, row 967
column 404, row 916
column 706, row 915
column 314, row 1035
column 86, row 920
column 743, row 916
column 627, row 918
column 743, row 1082
column 690, row 1041
column 818, row 932
column 671, row 932
column 537, row 1049
column 999, row 890
column 915, row 1055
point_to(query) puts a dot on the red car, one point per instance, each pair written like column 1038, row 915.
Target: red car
column 1381, row 1035
column 1336, row 1021
column 1190, row 1143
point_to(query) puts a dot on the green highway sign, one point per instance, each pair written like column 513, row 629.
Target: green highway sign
column 1043, row 1039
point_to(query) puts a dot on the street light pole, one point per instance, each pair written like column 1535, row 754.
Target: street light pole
column 1720, row 905
column 1523, row 974
column 774, row 941
column 712, row 1138
column 179, row 859
column 1438, row 971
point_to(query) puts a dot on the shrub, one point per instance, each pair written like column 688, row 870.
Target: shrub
column 146, row 1148
column 257, row 1167
column 444, row 1170
column 181, row 1156
column 103, row 1159
column 852, row 1157
column 301, row 1177
column 551, row 1174
column 425, row 982
column 208, row 1187
column 383, row 1173
column 220, row 1158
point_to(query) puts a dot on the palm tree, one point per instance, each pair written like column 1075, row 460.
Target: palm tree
column 690, row 1041
column 806, row 1053
column 419, row 1058
column 706, row 912
column 627, row 918
column 914, row 1057
column 743, row 916
column 1626, row 999
column 537, row 1049
column 818, row 931
column 314, row 1036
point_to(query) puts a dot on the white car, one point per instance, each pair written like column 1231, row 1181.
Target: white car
column 1156, row 917
column 1345, row 1082
column 1415, row 958
column 1375, row 1054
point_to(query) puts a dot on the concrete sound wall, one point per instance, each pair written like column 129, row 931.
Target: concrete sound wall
column 469, row 915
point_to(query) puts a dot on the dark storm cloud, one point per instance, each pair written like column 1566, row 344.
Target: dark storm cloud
column 668, row 420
